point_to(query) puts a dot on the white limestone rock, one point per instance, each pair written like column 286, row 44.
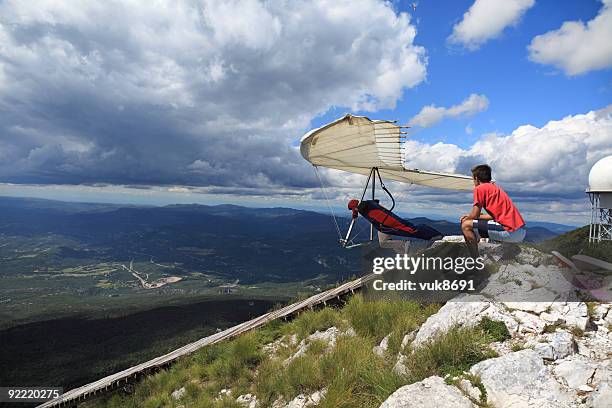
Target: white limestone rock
column 432, row 392
column 400, row 367
column 527, row 283
column 178, row 394
column 530, row 256
column 284, row 342
column 303, row 401
column 317, row 396
column 298, row 402
column 552, row 319
column 350, row 332
column 563, row 344
column 575, row 372
column 468, row 311
column 248, row 401
column 607, row 320
column 600, row 312
column 529, row 323
column 408, row 338
column 329, row 336
column 557, row 345
column 574, row 314
column 545, row 351
column 603, row 372
column 382, row 347
column 601, row 397
column 520, row 380
column 595, row 345
column 279, row 403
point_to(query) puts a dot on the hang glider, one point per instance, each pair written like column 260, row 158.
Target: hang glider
column 357, row 144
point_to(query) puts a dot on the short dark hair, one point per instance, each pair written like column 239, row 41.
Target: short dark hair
column 482, row 172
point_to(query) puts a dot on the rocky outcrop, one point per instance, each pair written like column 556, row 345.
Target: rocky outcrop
column 567, row 352
column 464, row 311
column 432, row 392
column 520, row 379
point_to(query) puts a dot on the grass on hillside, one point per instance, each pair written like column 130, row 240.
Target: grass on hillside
column 577, row 242
column 352, row 373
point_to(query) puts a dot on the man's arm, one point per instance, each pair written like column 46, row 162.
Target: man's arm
column 473, row 215
column 485, row 217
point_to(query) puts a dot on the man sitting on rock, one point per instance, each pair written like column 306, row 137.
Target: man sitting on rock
column 502, row 221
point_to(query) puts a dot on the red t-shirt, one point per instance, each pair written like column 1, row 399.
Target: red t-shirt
column 498, row 205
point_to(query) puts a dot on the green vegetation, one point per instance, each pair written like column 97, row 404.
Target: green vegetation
column 309, row 322
column 497, row 330
column 352, row 373
column 452, row 354
column 577, row 242
column 477, row 382
column 577, row 331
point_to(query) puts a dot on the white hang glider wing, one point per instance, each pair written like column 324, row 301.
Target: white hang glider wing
column 357, row 144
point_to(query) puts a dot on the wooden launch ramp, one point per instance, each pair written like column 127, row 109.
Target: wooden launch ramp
column 80, row 394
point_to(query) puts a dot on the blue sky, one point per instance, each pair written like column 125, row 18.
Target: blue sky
column 205, row 101
column 519, row 90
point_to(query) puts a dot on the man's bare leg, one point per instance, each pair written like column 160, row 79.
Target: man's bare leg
column 471, row 241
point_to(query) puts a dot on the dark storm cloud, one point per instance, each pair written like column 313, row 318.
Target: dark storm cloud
column 188, row 93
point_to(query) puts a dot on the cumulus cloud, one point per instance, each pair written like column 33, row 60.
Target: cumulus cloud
column 486, row 19
column 552, row 160
column 577, row 47
column 431, row 114
column 201, row 93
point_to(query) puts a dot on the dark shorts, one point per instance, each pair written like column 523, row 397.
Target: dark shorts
column 496, row 232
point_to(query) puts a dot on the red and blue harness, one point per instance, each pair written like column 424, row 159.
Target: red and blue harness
column 388, row 223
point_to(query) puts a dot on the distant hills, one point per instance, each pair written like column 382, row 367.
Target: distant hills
column 101, row 222
column 251, row 244
column 536, row 231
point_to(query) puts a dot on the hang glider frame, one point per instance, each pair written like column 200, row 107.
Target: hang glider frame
column 347, row 242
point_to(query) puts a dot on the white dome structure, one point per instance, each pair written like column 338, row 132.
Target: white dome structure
column 600, row 176
column 600, row 194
